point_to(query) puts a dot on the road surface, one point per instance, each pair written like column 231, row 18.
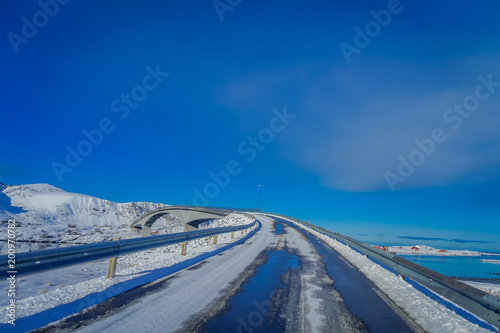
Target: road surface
column 282, row 279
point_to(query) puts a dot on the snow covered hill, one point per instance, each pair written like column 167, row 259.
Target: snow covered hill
column 47, row 213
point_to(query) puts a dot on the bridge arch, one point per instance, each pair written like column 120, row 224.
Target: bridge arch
column 190, row 216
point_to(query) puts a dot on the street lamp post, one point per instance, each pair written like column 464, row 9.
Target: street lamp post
column 260, row 194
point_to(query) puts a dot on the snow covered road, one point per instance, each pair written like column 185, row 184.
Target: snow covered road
column 188, row 292
column 282, row 279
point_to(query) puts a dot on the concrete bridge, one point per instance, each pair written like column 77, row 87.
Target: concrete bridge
column 190, row 216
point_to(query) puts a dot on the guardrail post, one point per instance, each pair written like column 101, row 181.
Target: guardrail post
column 215, row 239
column 111, row 267
column 184, row 248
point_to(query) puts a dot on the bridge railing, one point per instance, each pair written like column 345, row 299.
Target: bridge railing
column 226, row 209
column 484, row 305
column 35, row 262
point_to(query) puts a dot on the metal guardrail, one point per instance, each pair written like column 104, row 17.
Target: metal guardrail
column 483, row 305
column 35, row 262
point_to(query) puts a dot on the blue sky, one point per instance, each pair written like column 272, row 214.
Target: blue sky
column 379, row 119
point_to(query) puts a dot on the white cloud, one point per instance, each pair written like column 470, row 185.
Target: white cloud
column 354, row 122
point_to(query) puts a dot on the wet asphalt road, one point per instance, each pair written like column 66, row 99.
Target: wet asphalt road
column 272, row 299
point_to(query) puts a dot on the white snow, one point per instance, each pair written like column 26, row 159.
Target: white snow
column 425, row 250
column 490, row 261
column 427, row 313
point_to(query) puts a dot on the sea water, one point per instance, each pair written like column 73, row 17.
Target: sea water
column 461, row 267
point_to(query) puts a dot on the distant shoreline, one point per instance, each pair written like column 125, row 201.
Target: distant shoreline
column 425, row 250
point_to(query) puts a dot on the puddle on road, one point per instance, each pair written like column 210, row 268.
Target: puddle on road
column 278, row 228
column 249, row 310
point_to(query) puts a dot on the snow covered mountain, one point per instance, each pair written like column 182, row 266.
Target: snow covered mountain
column 47, row 213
